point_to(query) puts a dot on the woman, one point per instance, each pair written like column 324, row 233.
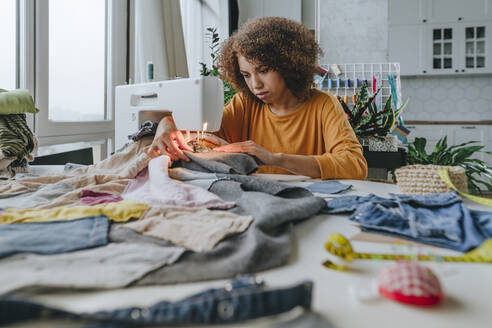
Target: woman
column 276, row 115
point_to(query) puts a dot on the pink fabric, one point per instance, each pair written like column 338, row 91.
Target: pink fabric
column 89, row 197
column 153, row 186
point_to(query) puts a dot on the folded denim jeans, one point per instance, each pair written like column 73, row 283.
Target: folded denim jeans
column 53, row 237
column 243, row 299
column 436, row 219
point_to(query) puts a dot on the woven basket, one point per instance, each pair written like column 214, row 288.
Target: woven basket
column 425, row 179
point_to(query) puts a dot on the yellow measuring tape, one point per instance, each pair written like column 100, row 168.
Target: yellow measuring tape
column 342, row 253
column 445, row 177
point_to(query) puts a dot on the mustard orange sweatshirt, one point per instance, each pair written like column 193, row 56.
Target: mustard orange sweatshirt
column 319, row 128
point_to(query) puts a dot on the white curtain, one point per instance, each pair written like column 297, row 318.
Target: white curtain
column 159, row 39
column 197, row 16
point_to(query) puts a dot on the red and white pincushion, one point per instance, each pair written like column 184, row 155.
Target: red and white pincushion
column 410, row 283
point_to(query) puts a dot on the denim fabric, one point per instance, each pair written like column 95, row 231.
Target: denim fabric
column 53, row 237
column 348, row 204
column 243, row 299
column 436, row 219
column 328, row 187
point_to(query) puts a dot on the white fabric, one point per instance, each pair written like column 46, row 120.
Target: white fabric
column 153, row 186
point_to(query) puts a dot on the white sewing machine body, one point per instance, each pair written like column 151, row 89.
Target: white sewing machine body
column 192, row 102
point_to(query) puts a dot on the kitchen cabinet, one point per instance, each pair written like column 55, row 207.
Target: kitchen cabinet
column 405, row 47
column 438, row 11
column 441, row 37
column 457, row 48
column 445, row 11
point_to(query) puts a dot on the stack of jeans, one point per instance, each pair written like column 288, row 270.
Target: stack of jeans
column 436, row 219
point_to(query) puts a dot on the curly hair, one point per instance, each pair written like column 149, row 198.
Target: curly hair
column 281, row 44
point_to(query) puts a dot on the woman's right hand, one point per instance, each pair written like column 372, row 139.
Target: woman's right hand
column 169, row 140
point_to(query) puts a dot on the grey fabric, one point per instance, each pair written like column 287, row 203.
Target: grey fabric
column 216, row 162
column 111, row 266
column 200, row 179
column 182, row 174
column 117, row 235
column 266, row 244
column 252, row 183
column 31, row 199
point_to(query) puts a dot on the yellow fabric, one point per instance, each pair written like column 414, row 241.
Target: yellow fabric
column 117, row 211
column 319, row 128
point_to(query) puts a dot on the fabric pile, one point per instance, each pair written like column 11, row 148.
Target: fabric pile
column 17, row 142
column 131, row 220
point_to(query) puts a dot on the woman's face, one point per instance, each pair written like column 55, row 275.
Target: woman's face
column 268, row 85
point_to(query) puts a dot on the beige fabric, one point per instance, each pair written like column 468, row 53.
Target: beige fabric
column 110, row 175
column 193, row 228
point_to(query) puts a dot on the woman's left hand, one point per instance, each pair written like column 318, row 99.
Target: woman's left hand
column 249, row 147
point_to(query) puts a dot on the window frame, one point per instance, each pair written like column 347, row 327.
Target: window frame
column 33, row 61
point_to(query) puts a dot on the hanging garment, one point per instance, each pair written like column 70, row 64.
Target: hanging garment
column 17, row 144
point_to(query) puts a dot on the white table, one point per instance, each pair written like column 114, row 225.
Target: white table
column 468, row 287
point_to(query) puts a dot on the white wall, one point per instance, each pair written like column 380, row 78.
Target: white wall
column 450, row 98
column 353, row 31
column 262, row 8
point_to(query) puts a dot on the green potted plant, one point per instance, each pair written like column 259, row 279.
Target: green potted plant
column 477, row 172
column 373, row 127
column 212, row 34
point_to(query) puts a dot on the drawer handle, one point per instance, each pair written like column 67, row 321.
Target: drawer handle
column 410, row 126
column 469, row 127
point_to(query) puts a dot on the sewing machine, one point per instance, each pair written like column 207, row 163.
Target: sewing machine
column 196, row 104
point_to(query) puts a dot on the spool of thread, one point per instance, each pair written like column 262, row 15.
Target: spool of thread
column 150, row 71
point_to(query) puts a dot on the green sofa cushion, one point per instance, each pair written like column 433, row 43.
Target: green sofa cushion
column 16, row 102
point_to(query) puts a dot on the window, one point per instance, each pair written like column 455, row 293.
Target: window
column 79, row 57
column 77, row 44
column 442, row 48
column 8, row 45
column 475, row 47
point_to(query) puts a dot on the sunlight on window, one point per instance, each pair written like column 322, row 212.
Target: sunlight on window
column 77, row 41
column 7, row 44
